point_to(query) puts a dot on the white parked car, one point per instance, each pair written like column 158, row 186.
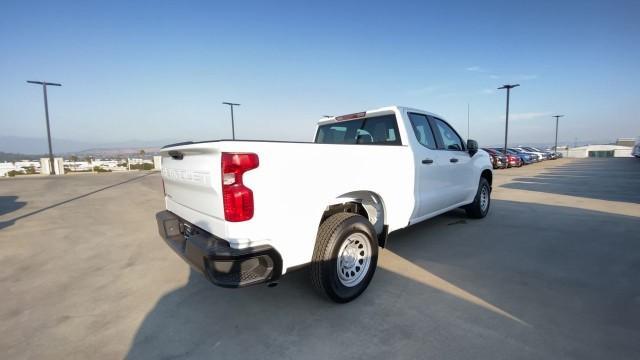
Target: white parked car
column 539, row 154
column 246, row 212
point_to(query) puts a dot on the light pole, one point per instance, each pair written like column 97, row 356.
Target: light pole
column 506, row 124
column 46, row 112
column 555, row 148
column 233, row 130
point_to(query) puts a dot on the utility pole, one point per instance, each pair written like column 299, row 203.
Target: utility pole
column 555, row 148
column 233, row 129
column 506, row 124
column 46, row 112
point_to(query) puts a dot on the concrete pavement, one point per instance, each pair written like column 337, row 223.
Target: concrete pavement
column 552, row 272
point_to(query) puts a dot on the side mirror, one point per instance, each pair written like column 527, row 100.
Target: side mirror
column 472, row 147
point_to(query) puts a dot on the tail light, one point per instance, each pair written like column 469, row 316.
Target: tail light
column 351, row 116
column 237, row 198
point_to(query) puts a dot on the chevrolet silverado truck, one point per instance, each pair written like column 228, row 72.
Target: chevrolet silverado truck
column 246, row 212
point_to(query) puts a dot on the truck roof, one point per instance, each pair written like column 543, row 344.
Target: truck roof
column 386, row 109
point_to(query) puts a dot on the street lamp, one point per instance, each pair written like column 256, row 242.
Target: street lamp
column 233, row 130
column 46, row 112
column 506, row 125
column 555, row 148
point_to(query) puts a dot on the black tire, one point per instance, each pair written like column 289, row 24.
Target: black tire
column 475, row 209
column 333, row 232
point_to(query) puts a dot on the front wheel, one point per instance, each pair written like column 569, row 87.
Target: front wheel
column 345, row 257
column 479, row 208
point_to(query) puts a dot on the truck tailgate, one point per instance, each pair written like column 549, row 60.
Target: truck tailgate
column 191, row 175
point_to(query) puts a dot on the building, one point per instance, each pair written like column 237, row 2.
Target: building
column 6, row 167
column 22, row 166
column 626, row 142
column 598, row 151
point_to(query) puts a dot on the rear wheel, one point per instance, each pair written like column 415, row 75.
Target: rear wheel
column 345, row 257
column 479, row 208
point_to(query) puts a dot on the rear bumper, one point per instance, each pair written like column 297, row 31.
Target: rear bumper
column 213, row 257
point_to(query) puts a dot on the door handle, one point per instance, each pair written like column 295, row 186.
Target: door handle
column 453, row 160
column 427, row 161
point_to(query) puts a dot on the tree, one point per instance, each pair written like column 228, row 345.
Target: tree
column 74, row 159
column 141, row 152
column 89, row 160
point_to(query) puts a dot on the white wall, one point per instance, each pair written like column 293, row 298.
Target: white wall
column 583, row 151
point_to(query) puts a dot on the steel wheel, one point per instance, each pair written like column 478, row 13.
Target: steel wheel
column 354, row 258
column 484, row 198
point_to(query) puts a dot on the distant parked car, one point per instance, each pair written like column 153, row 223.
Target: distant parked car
column 552, row 154
column 636, row 149
column 541, row 155
column 548, row 154
column 527, row 158
column 498, row 160
column 512, row 160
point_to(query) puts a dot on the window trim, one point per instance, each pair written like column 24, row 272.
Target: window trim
column 439, row 140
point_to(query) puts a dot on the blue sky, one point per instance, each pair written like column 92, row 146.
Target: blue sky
column 160, row 70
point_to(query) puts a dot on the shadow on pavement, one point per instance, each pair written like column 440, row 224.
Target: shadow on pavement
column 9, row 204
column 7, row 223
column 614, row 179
column 448, row 287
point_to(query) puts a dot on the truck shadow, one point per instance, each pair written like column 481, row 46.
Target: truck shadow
column 506, row 276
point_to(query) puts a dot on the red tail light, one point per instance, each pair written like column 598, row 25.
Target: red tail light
column 237, row 198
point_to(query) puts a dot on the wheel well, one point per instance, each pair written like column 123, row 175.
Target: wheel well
column 348, row 207
column 487, row 175
column 365, row 203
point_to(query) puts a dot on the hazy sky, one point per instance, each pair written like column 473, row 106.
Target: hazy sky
column 160, row 70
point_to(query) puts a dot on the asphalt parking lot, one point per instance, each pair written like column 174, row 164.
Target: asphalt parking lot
column 552, row 272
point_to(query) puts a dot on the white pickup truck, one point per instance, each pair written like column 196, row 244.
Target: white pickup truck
column 246, row 212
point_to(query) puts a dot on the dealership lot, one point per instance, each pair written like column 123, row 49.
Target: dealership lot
column 552, row 272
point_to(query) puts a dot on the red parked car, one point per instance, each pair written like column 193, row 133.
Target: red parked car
column 512, row 160
column 498, row 160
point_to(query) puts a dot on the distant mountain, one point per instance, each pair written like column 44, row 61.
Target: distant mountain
column 17, row 157
column 26, row 145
